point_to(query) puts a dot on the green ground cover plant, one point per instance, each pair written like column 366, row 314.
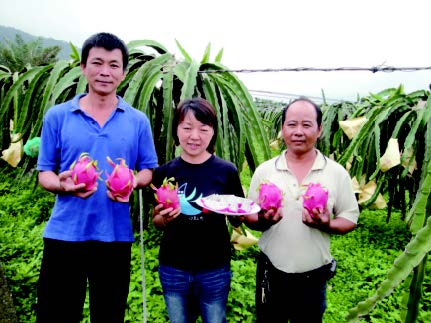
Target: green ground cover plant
column 363, row 255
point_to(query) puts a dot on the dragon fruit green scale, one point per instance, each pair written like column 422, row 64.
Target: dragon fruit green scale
column 315, row 197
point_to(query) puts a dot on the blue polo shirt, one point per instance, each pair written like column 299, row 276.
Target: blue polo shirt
column 66, row 133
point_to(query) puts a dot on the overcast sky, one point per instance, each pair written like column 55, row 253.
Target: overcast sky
column 270, row 34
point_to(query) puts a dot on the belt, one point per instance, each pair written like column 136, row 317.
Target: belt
column 318, row 273
column 324, row 272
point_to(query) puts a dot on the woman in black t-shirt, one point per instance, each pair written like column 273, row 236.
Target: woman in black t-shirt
column 195, row 250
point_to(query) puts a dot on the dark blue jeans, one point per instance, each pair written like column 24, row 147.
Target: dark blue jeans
column 189, row 293
column 283, row 297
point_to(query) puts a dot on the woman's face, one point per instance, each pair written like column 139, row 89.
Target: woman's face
column 194, row 137
column 300, row 129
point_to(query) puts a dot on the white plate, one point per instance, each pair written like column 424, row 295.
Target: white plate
column 228, row 204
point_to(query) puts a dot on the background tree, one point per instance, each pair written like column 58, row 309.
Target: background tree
column 18, row 54
column 156, row 82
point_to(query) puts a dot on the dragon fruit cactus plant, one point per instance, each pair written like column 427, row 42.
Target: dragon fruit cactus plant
column 167, row 194
column 270, row 196
column 121, row 181
column 84, row 170
column 315, row 197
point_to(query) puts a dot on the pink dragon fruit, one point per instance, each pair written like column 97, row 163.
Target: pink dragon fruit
column 121, row 181
column 84, row 170
column 270, row 196
column 167, row 194
column 315, row 197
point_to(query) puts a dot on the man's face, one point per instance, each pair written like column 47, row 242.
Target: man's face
column 300, row 129
column 104, row 70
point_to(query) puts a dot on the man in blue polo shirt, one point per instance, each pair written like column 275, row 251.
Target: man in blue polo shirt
column 89, row 235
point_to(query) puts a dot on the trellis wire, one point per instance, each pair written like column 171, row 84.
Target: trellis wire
column 373, row 69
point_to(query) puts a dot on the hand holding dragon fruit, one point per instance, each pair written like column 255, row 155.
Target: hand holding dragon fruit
column 167, row 194
column 121, row 181
column 84, row 170
column 315, row 197
column 270, row 196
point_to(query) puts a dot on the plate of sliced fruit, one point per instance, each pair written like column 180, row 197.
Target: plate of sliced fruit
column 228, row 204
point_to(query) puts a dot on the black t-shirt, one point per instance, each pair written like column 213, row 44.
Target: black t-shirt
column 198, row 240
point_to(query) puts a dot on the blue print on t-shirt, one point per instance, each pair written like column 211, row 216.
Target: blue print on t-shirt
column 186, row 207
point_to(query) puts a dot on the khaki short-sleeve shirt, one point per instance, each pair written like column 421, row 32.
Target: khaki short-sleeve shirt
column 292, row 246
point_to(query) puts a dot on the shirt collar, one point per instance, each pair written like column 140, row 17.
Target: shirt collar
column 121, row 105
column 319, row 162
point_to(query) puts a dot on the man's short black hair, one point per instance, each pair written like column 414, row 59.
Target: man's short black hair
column 303, row 98
column 107, row 41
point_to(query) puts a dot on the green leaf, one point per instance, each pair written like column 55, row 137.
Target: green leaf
column 72, row 77
column 82, row 85
column 180, row 70
column 135, row 44
column 140, row 77
column 183, row 52
column 188, row 88
column 56, row 73
column 413, row 294
column 152, row 75
column 16, row 89
column 210, row 93
column 219, row 56
column 27, row 110
column 206, row 57
column 257, row 138
column 168, row 109
column 414, row 252
column 74, row 55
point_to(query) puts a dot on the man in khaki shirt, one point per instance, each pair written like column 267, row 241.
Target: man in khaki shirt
column 295, row 260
